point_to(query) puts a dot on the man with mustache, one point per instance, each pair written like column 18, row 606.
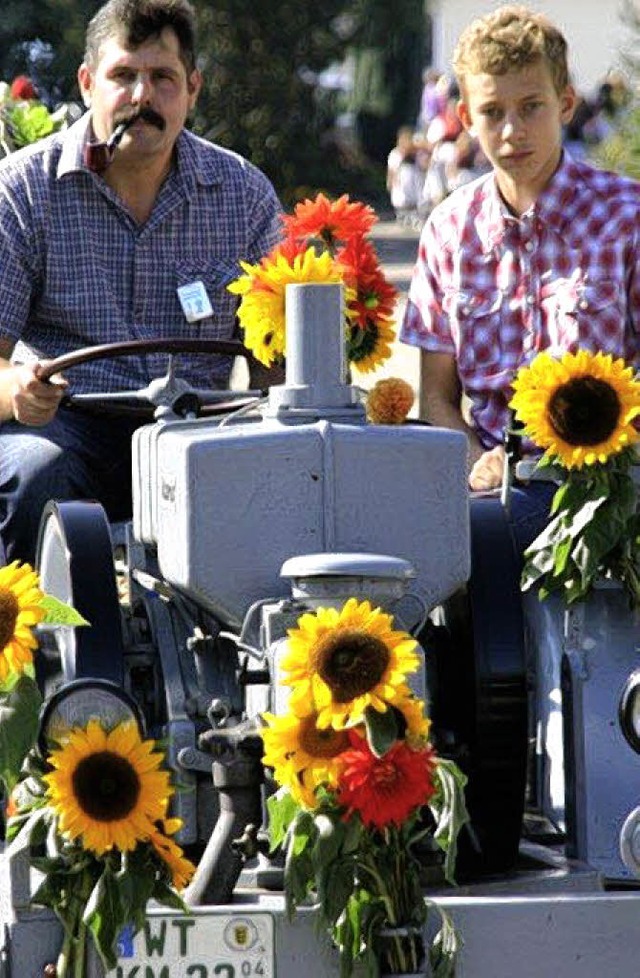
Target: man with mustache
column 100, row 242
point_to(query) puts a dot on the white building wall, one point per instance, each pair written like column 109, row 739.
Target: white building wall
column 593, row 28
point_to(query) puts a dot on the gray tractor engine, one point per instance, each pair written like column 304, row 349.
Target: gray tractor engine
column 239, row 526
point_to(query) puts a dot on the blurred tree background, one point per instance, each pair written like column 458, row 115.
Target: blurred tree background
column 264, row 66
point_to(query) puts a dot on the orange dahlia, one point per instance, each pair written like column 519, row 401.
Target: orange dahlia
column 385, row 790
column 389, row 401
column 331, row 221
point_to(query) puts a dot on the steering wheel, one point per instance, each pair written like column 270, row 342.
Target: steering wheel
column 168, row 393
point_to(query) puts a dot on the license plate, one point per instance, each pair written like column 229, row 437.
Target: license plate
column 201, row 944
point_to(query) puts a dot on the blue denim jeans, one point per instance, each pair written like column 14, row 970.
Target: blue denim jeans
column 529, row 511
column 76, row 456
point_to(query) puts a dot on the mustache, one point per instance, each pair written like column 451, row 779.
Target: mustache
column 98, row 156
column 146, row 114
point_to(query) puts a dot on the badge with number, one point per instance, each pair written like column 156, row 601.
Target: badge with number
column 194, row 301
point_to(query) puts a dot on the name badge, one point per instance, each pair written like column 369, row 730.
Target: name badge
column 194, row 301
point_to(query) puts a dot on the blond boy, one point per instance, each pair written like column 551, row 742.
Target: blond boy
column 541, row 253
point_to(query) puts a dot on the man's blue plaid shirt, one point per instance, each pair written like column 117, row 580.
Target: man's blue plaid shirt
column 76, row 269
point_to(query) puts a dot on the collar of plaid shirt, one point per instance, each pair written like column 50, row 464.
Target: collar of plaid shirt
column 194, row 170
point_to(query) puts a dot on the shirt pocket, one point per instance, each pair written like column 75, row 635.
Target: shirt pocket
column 215, row 274
column 592, row 315
column 477, row 323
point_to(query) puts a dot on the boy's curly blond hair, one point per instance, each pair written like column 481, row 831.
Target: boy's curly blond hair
column 507, row 39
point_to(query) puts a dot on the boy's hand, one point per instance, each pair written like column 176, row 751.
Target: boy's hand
column 34, row 401
column 487, row 472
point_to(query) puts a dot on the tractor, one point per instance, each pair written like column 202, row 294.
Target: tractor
column 249, row 510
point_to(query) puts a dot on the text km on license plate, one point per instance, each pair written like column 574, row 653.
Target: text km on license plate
column 198, row 945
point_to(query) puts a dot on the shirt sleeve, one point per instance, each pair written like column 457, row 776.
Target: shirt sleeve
column 632, row 342
column 18, row 275
column 425, row 323
column 264, row 210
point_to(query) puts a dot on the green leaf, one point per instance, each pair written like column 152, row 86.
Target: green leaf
column 29, row 122
column 299, row 878
column 381, row 730
column 59, row 613
column 169, row 897
column 561, row 556
column 335, row 883
column 302, row 831
column 594, row 532
column 36, row 819
column 19, row 712
column 584, row 516
column 104, row 917
column 450, row 812
column 353, row 836
column 330, row 833
column 571, row 495
column 299, row 867
column 444, row 948
column 282, row 809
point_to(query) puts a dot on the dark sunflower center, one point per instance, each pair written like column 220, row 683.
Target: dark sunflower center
column 362, row 342
column 9, row 609
column 106, row 786
column 351, row 663
column 584, row 411
column 321, row 743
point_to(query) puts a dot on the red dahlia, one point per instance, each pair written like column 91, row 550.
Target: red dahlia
column 387, row 789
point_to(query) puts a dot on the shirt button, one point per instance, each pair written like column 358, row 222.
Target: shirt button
column 583, row 304
column 529, row 300
column 528, row 246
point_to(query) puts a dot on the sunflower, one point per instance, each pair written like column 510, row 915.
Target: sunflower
column 579, row 409
column 386, row 790
column 107, row 787
column 262, row 308
column 20, row 610
column 302, row 755
column 369, row 347
column 331, row 221
column 181, row 868
column 341, row 662
column 415, row 718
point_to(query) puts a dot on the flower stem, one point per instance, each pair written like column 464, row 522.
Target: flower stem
column 396, row 953
column 71, row 961
column 65, row 956
column 81, row 944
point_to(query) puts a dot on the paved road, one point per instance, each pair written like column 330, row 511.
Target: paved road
column 397, row 248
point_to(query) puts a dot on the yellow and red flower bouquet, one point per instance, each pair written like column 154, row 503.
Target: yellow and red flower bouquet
column 324, row 242
column 365, row 808
column 581, row 410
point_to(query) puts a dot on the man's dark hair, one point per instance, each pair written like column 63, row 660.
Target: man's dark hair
column 136, row 21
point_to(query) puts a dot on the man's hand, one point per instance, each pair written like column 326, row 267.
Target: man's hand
column 35, row 402
column 488, row 470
